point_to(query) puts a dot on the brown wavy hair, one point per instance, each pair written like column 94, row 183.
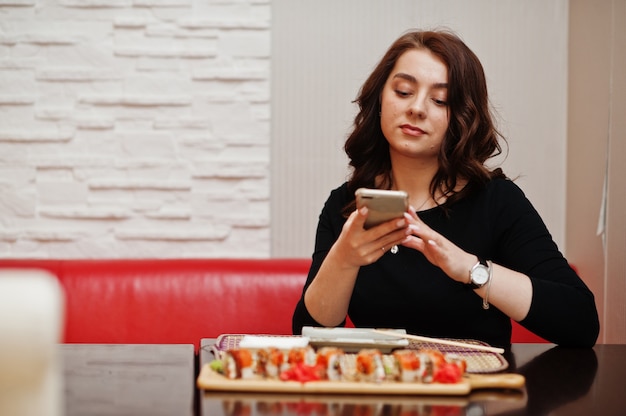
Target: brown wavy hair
column 470, row 140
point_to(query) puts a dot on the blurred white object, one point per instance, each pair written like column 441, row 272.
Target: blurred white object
column 280, row 342
column 31, row 323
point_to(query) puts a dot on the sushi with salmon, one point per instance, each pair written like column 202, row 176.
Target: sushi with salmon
column 239, row 364
column 407, row 365
column 369, row 365
column 270, row 362
column 330, row 359
column 304, row 355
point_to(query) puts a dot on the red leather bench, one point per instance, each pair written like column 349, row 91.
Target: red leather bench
column 174, row 301
column 181, row 300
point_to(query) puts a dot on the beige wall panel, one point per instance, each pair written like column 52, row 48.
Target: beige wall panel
column 615, row 318
column 589, row 60
column 596, row 150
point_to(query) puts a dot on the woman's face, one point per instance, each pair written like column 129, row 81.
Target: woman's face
column 414, row 111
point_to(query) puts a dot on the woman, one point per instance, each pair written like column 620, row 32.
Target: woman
column 471, row 252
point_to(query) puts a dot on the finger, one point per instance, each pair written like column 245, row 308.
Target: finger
column 419, row 229
column 414, row 242
column 353, row 224
column 374, row 253
column 416, row 230
column 421, row 238
column 411, row 213
column 361, row 216
column 382, row 231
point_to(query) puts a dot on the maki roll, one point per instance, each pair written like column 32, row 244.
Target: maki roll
column 270, row 362
column 369, row 365
column 239, row 363
column 407, row 363
column 431, row 361
column 440, row 367
column 304, row 355
column 331, row 360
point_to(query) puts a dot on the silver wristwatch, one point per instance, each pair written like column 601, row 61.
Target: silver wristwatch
column 479, row 274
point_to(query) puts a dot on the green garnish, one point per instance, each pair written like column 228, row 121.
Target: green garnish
column 217, row 366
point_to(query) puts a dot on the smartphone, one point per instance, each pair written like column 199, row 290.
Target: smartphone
column 383, row 205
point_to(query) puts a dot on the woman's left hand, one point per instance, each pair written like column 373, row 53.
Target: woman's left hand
column 440, row 251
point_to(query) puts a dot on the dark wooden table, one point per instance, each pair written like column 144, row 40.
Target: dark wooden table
column 128, row 379
column 559, row 381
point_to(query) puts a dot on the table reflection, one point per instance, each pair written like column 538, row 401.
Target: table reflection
column 246, row 405
column 556, row 377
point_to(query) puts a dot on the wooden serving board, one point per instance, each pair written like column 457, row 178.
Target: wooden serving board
column 208, row 379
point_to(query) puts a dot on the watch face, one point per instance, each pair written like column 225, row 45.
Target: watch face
column 480, row 275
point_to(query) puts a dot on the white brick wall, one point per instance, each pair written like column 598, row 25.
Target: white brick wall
column 134, row 128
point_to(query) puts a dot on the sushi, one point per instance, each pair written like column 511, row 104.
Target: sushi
column 270, row 362
column 332, row 364
column 407, row 365
column 304, row 355
column 427, row 366
column 369, row 365
column 331, row 360
column 239, row 364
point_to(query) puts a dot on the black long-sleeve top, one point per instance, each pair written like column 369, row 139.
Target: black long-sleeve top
column 404, row 290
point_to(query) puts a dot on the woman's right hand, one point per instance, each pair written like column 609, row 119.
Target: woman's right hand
column 359, row 247
column 328, row 297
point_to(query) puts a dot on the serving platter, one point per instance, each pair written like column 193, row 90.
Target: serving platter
column 484, row 371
